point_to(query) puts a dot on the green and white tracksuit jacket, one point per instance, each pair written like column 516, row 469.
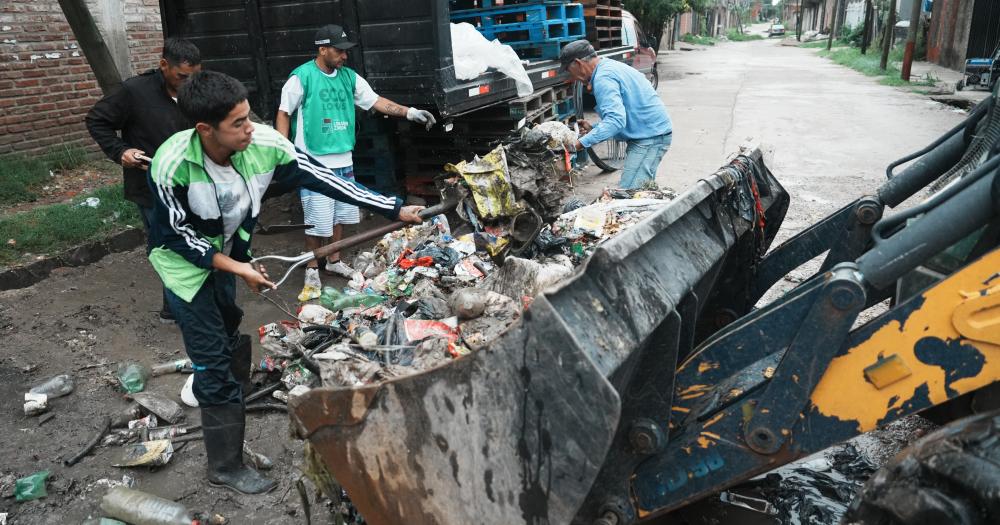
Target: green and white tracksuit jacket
column 187, row 229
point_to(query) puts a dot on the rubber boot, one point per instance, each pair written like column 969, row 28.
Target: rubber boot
column 239, row 364
column 224, row 428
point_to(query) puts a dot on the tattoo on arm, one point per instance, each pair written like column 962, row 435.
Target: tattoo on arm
column 391, row 108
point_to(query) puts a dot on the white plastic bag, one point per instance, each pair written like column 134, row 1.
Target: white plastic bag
column 474, row 54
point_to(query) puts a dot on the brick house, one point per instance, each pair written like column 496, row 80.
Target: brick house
column 46, row 85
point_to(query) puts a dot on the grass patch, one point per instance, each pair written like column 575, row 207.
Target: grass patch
column 868, row 64
column 699, row 40
column 736, row 36
column 818, row 44
column 57, row 227
column 21, row 175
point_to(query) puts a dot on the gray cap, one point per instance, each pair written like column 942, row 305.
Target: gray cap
column 573, row 51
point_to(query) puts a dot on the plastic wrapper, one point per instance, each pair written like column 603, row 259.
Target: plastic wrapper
column 316, row 314
column 297, row 374
column 147, row 454
column 281, row 338
column 31, row 487
column 489, row 183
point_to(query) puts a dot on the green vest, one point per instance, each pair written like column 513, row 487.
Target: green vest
column 327, row 109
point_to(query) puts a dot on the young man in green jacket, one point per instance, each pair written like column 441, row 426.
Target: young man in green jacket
column 208, row 183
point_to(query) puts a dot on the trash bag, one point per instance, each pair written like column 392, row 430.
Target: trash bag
column 430, row 308
column 522, row 277
column 446, row 257
column 393, row 331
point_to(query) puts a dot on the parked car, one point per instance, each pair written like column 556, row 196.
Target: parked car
column 644, row 58
column 776, row 30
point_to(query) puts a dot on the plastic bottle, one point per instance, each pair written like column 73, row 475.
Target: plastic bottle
column 58, row 386
column 172, row 367
column 334, row 299
column 364, row 336
column 140, row 508
column 132, row 376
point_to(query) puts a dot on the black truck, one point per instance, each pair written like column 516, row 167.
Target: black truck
column 404, row 52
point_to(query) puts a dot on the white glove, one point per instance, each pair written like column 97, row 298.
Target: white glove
column 421, row 116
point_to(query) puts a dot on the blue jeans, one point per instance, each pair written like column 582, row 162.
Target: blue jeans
column 210, row 327
column 642, row 158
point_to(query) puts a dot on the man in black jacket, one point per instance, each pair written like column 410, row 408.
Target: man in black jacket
column 144, row 109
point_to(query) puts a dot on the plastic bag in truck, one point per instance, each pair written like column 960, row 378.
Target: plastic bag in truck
column 474, row 54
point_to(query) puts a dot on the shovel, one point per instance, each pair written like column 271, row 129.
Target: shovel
column 448, row 204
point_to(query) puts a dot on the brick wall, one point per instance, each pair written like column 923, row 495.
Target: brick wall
column 46, row 85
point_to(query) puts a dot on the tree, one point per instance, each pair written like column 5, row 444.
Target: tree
column 652, row 14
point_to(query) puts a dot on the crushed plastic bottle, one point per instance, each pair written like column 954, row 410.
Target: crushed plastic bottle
column 58, row 386
column 31, row 487
column 335, row 300
column 140, row 508
column 132, row 376
column 172, row 367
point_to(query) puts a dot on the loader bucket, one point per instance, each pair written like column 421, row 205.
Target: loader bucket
column 518, row 431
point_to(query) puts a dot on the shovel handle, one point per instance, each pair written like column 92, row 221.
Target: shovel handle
column 355, row 240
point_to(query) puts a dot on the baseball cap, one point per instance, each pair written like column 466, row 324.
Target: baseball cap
column 573, row 51
column 333, row 35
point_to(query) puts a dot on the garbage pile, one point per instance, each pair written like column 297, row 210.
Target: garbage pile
column 436, row 291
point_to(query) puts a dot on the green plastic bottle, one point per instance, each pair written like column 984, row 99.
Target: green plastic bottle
column 335, row 300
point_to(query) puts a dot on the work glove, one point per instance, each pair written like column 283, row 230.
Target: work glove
column 421, row 116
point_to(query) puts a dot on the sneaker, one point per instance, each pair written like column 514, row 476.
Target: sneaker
column 341, row 269
column 313, row 287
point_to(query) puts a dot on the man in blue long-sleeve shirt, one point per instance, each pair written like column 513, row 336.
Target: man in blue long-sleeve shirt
column 629, row 107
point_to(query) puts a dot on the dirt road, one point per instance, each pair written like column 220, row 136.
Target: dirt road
column 832, row 131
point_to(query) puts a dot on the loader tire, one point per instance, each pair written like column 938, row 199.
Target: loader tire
column 951, row 476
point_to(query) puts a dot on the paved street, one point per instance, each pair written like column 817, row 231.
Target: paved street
column 832, row 131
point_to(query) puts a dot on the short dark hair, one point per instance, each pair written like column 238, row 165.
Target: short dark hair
column 177, row 51
column 208, row 96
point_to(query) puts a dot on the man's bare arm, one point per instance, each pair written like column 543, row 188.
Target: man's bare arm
column 388, row 107
column 282, row 123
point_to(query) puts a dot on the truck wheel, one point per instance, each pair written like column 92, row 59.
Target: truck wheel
column 950, row 476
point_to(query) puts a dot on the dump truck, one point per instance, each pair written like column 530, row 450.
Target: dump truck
column 405, row 53
column 656, row 376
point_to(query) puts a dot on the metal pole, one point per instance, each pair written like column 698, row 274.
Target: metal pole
column 911, row 40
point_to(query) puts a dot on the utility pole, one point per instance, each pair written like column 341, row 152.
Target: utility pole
column 92, row 44
column 890, row 23
column 833, row 24
column 911, row 40
column 867, row 29
column 798, row 22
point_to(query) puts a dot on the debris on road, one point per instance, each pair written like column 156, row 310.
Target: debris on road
column 31, row 487
column 132, row 377
column 147, row 454
column 35, row 404
column 141, row 508
column 58, row 386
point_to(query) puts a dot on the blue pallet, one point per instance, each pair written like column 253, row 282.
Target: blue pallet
column 536, row 22
column 565, row 108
